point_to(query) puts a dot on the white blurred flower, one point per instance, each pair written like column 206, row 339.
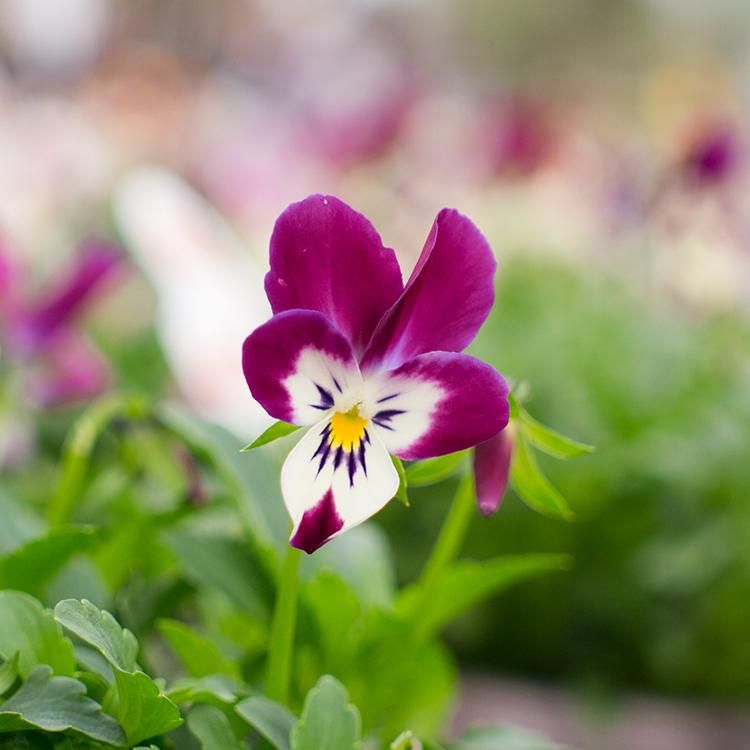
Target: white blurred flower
column 209, row 289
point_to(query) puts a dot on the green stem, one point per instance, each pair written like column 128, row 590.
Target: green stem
column 451, row 536
column 282, row 629
column 448, row 544
column 79, row 445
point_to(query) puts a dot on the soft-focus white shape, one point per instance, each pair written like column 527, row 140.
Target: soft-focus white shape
column 209, row 289
column 303, row 486
column 52, row 35
column 316, row 368
column 54, row 160
column 415, row 397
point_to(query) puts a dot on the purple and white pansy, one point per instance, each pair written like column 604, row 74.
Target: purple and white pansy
column 373, row 367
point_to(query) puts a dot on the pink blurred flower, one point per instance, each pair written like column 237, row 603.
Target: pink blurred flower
column 61, row 365
column 713, row 156
column 520, row 137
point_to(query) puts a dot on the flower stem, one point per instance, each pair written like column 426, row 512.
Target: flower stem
column 282, row 629
column 454, row 529
column 449, row 542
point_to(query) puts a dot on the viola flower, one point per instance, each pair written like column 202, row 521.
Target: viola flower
column 373, row 367
column 40, row 335
column 713, row 156
column 521, row 137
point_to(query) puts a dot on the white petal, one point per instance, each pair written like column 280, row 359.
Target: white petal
column 325, row 502
column 401, row 408
column 316, row 368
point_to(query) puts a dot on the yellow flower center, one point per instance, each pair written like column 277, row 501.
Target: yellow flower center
column 347, row 429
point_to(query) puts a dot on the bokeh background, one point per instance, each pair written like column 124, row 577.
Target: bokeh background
column 601, row 145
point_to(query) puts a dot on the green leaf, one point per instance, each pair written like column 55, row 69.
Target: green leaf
column 212, row 728
column 434, row 470
column 215, row 690
column 408, row 681
column 18, row 522
column 270, row 719
column 139, row 705
column 274, row 432
column 58, row 704
column 99, row 629
column 79, row 445
column 551, row 442
column 468, row 582
column 225, row 564
column 142, row 709
column 363, row 558
column 31, row 567
column 29, row 629
column 199, row 655
column 401, row 492
column 533, row 487
column 503, row 738
column 8, row 673
column 336, row 608
column 328, row 720
column 408, row 741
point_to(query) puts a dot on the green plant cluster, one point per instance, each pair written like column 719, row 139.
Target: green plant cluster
column 157, row 517
column 658, row 595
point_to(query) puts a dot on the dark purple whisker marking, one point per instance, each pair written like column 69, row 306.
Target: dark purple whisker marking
column 387, row 398
column 350, row 458
column 326, row 399
column 337, row 458
column 336, row 383
column 352, row 467
column 382, row 418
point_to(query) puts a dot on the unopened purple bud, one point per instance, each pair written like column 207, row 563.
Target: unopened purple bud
column 492, row 470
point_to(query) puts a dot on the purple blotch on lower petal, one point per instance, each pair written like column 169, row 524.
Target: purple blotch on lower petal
column 318, row 525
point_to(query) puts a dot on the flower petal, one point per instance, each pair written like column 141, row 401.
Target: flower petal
column 326, row 497
column 445, row 301
column 327, row 257
column 296, row 364
column 492, row 470
column 72, row 371
column 437, row 403
column 95, row 263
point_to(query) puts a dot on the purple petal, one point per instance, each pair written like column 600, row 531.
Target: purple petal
column 492, row 470
column 295, row 364
column 95, row 263
column 8, row 285
column 318, row 525
column 714, row 155
column 327, row 257
column 72, row 371
column 439, row 403
column 446, row 300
